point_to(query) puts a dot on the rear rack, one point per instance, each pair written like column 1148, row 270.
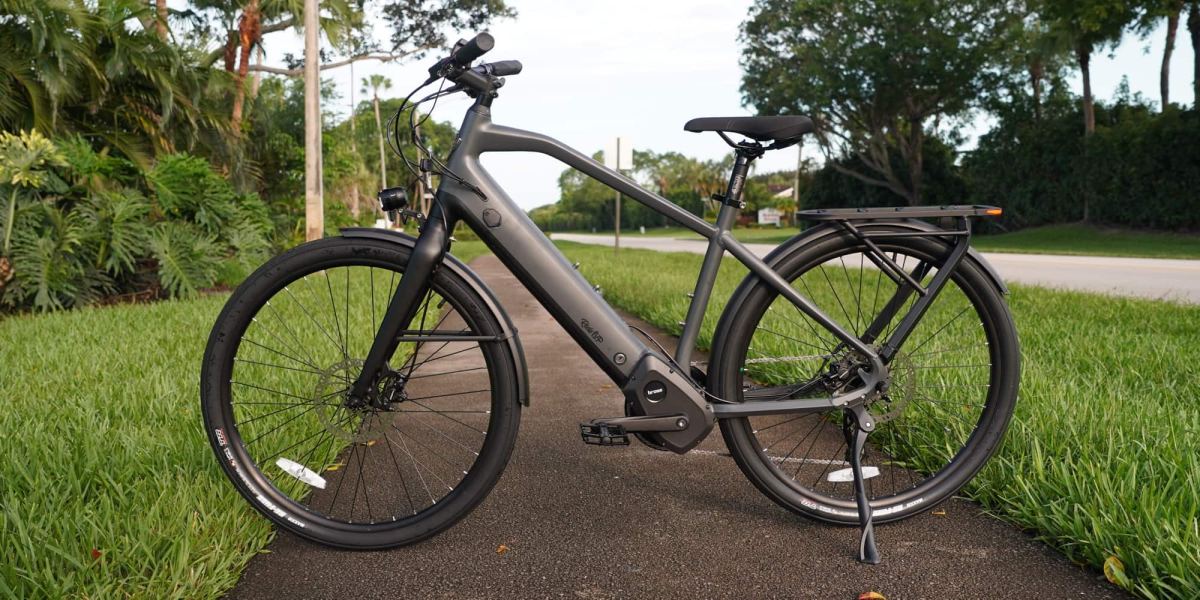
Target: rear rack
column 898, row 212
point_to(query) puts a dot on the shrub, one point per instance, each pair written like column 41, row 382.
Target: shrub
column 1138, row 170
column 86, row 225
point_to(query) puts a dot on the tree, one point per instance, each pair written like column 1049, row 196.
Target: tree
column 1090, row 24
column 1193, row 24
column 374, row 83
column 255, row 18
column 1038, row 54
column 68, row 68
column 417, row 28
column 1150, row 14
column 873, row 73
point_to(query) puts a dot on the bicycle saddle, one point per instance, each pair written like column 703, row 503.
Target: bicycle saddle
column 785, row 129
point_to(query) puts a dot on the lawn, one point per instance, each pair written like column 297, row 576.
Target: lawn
column 108, row 487
column 1053, row 239
column 1103, row 456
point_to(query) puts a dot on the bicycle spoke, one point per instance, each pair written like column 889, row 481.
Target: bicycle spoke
column 918, row 418
column 286, row 396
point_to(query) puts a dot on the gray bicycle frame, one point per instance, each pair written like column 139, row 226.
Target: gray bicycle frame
column 556, row 283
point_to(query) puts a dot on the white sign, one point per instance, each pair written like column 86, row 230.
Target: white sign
column 619, row 154
column 769, row 216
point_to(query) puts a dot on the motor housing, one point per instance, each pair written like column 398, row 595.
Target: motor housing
column 658, row 389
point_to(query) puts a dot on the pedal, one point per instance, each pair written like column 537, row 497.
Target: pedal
column 599, row 433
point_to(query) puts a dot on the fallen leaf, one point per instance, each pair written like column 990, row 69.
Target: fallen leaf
column 335, row 466
column 502, row 549
column 871, row 596
column 370, row 442
column 96, row 554
column 1114, row 571
column 941, row 512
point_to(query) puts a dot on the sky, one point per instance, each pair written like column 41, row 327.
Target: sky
column 641, row 69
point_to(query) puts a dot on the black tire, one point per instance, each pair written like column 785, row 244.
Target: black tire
column 972, row 403
column 303, row 359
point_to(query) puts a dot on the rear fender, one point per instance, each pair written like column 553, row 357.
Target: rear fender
column 810, row 236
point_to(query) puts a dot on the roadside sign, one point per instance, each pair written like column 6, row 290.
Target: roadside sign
column 769, row 216
column 619, row 154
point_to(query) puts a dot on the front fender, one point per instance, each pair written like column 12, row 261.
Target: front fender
column 477, row 285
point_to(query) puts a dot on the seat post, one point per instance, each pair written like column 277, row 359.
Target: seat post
column 731, row 204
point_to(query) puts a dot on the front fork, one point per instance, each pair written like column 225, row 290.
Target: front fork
column 431, row 247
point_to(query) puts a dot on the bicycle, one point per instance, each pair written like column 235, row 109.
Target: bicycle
column 408, row 381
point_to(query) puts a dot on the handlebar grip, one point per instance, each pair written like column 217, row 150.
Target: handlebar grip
column 475, row 48
column 504, row 68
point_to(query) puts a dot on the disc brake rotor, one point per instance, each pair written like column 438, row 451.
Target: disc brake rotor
column 888, row 406
column 357, row 425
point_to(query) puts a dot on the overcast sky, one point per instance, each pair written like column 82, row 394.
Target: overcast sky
column 640, row 69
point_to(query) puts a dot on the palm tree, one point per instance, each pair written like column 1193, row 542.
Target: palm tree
column 1193, row 25
column 65, row 68
column 374, row 83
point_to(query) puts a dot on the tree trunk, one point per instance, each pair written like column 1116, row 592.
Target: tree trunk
column 160, row 23
column 314, row 208
column 382, row 155
column 1164, row 75
column 1193, row 24
column 796, row 182
column 248, row 31
column 231, row 46
column 256, row 81
column 1083, row 52
column 353, row 149
column 1037, row 71
column 916, row 161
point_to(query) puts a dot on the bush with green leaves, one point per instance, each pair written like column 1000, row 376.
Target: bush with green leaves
column 83, row 226
column 1140, row 169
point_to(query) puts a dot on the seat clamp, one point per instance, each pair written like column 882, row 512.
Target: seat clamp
column 726, row 201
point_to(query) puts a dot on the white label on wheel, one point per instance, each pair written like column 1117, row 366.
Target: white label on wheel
column 844, row 475
column 301, row 472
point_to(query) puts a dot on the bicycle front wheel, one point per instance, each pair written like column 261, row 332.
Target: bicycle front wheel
column 274, row 384
column 952, row 391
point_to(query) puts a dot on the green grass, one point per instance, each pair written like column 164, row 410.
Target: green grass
column 1092, row 241
column 1052, row 239
column 108, row 487
column 1103, row 456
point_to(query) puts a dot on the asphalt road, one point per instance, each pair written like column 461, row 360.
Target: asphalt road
column 1156, row 278
column 589, row 522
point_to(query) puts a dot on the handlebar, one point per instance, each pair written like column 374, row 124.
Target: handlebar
column 504, row 68
column 482, row 78
column 466, row 54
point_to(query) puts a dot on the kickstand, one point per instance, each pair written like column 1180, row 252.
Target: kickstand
column 858, row 424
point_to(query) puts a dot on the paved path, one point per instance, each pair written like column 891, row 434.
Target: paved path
column 588, row 522
column 1156, row 278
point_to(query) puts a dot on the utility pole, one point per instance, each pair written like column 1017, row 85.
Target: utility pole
column 616, row 157
column 353, row 147
column 314, row 209
column 617, row 240
column 796, row 184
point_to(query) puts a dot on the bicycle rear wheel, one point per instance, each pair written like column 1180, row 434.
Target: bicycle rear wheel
column 952, row 392
column 274, row 385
